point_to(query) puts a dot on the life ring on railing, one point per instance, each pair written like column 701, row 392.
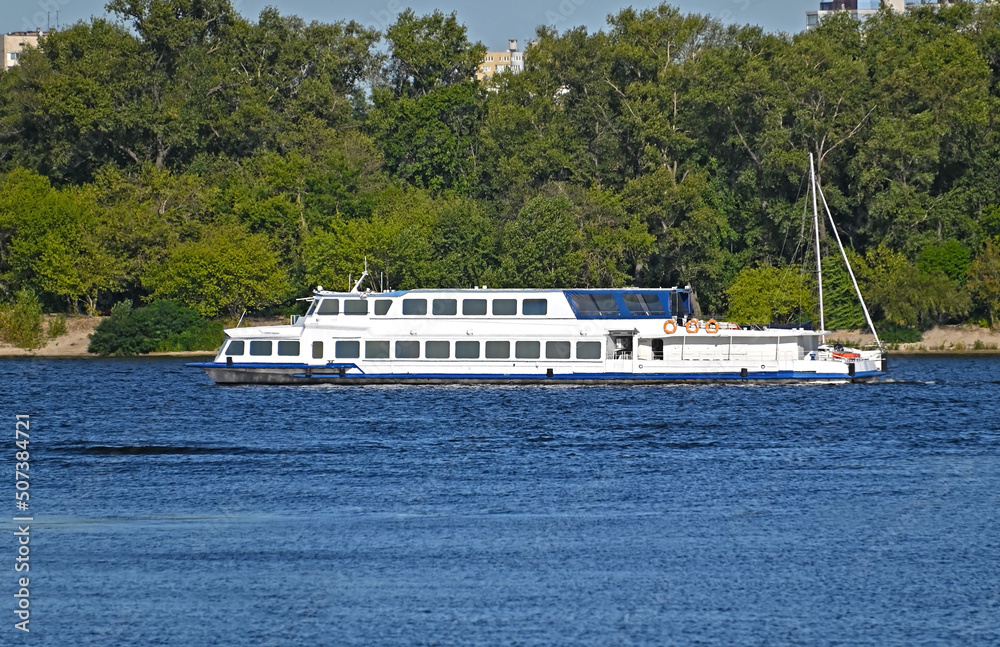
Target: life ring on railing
column 672, row 326
column 712, row 327
column 692, row 326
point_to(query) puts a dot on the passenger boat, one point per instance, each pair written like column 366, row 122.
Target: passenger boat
column 479, row 335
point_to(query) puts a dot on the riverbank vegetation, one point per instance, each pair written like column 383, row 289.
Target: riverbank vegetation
column 181, row 152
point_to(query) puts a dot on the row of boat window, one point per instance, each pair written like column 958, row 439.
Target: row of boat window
column 410, row 349
column 438, row 307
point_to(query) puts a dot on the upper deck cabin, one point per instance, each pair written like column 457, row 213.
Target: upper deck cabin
column 635, row 303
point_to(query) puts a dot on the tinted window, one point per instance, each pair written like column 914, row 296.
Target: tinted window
column 288, row 348
column 437, row 350
column 595, row 305
column 557, row 350
column 535, row 307
column 407, row 349
column 382, row 306
column 317, row 350
column 355, row 307
column 348, row 349
column 329, row 307
column 312, row 307
column 445, row 307
column 467, row 349
column 377, row 349
column 235, row 348
column 505, row 307
column 414, row 306
column 474, row 307
column 643, row 304
column 527, row 349
column 260, row 348
column 497, row 349
column 588, row 350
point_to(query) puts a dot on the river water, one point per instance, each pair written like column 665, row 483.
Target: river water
column 169, row 511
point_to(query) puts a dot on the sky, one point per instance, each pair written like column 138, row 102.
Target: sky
column 491, row 23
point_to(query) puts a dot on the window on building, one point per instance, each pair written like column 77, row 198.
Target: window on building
column 535, row 307
column 355, row 307
column 473, row 307
column 445, row 306
column 557, row 350
column 595, row 305
column 467, row 350
column 414, row 306
column 348, row 349
column 505, row 307
column 376, row 350
column 260, row 348
column 643, row 304
column 288, row 348
column 235, row 348
column 588, row 350
column 527, row 349
column 497, row 350
column 329, row 307
column 317, row 350
column 382, row 306
column 437, row 350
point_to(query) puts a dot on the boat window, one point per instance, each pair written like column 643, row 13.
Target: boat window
column 535, row 307
column 260, row 348
column 557, row 350
column 588, row 350
column 329, row 307
column 348, row 349
column 505, row 307
column 312, row 307
column 445, row 306
column 407, row 349
column 643, row 304
column 382, row 306
column 497, row 349
column 474, row 307
column 595, row 305
column 527, row 349
column 235, row 348
column 288, row 348
column 317, row 350
column 377, row 350
column 437, row 350
column 467, row 350
column 414, row 306
column 355, row 307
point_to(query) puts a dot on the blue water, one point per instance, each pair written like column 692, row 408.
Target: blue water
column 173, row 512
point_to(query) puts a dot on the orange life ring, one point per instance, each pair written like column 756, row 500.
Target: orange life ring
column 672, row 324
column 712, row 327
column 692, row 326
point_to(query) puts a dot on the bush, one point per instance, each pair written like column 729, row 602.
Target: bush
column 21, row 323
column 892, row 333
column 57, row 326
column 162, row 326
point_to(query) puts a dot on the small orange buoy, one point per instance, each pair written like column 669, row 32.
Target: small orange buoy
column 692, row 326
column 712, row 327
column 670, row 326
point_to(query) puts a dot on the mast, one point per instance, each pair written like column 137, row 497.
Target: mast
column 819, row 265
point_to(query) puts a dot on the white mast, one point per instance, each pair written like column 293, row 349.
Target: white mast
column 850, row 271
column 819, row 265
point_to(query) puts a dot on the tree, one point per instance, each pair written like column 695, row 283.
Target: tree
column 984, row 281
column 765, row 295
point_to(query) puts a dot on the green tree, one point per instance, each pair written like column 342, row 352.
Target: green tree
column 764, row 295
column 984, row 281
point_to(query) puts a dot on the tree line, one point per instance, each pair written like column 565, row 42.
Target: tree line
column 178, row 150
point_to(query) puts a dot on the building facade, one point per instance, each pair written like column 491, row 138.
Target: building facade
column 861, row 9
column 495, row 62
column 15, row 42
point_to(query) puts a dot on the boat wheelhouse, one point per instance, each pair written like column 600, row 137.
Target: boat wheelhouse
column 485, row 335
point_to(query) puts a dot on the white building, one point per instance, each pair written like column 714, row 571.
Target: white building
column 495, row 62
column 15, row 42
column 862, row 9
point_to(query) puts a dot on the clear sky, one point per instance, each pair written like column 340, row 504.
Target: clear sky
column 490, row 22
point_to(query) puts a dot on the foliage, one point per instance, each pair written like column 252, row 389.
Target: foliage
column 891, row 333
column 764, row 295
column 984, row 281
column 905, row 296
column 57, row 327
column 21, row 322
column 162, row 326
